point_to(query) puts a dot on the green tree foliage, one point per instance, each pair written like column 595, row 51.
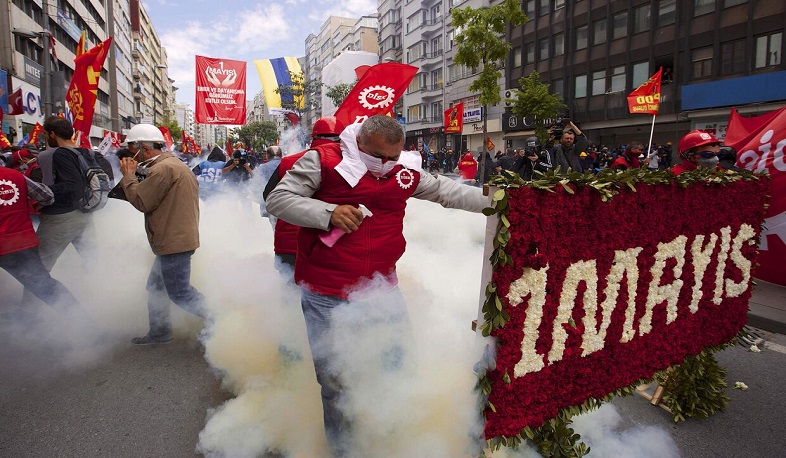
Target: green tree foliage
column 339, row 92
column 480, row 44
column 301, row 89
column 173, row 127
column 533, row 100
column 257, row 135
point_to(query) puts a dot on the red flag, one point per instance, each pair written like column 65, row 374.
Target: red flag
column 83, row 89
column 183, row 141
column 167, row 137
column 37, row 129
column 361, row 70
column 454, row 119
column 760, row 142
column 81, row 47
column 376, row 93
column 228, row 147
column 489, row 144
column 220, row 91
column 646, row 98
column 4, row 140
column 15, row 103
column 293, row 118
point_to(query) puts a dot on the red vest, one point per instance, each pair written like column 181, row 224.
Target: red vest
column 16, row 228
column 684, row 166
column 285, row 234
column 373, row 248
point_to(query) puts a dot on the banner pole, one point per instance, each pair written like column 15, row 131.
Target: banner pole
column 652, row 131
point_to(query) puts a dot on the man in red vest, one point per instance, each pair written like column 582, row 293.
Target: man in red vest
column 325, row 132
column 697, row 149
column 327, row 193
column 18, row 241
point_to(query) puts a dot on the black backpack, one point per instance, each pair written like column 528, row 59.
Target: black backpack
column 96, row 183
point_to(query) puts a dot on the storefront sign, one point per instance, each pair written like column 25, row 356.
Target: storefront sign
column 473, row 115
column 33, row 72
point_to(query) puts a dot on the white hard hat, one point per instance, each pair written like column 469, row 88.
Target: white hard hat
column 145, row 133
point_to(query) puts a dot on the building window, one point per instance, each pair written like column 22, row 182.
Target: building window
column 641, row 19
column 529, row 8
column 517, row 57
column 529, row 53
column 450, row 40
column 733, row 57
column 599, row 32
column 558, row 87
column 559, row 4
column 436, row 78
column 641, row 73
column 701, row 7
column 544, row 8
column 702, row 62
column 618, row 79
column 768, row 50
column 543, row 49
column 599, row 82
column 581, row 37
column 728, row 3
column 619, row 26
column 559, row 44
column 667, row 12
column 581, row 86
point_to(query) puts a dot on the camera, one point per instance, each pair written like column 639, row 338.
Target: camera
column 240, row 156
column 558, row 126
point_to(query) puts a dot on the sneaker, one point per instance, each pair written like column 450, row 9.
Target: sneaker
column 148, row 340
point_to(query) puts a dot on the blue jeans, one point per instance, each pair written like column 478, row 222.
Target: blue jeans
column 319, row 312
column 26, row 266
column 170, row 279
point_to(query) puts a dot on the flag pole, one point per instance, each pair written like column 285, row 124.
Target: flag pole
column 652, row 131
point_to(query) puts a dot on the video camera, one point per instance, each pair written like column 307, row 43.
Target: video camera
column 532, row 147
column 558, row 126
column 240, row 156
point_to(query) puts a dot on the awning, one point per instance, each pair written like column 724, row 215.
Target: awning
column 521, row 133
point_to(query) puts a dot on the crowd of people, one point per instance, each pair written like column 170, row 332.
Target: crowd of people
column 337, row 209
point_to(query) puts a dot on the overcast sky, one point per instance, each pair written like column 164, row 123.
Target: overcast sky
column 240, row 30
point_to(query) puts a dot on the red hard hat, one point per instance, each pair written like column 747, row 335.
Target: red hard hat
column 696, row 138
column 326, row 126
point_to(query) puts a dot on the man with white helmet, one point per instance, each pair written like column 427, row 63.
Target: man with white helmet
column 169, row 198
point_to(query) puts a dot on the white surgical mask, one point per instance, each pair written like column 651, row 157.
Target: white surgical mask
column 376, row 166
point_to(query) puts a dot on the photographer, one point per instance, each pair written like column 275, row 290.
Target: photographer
column 239, row 168
column 571, row 143
column 533, row 158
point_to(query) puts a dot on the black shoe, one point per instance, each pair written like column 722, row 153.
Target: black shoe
column 148, row 340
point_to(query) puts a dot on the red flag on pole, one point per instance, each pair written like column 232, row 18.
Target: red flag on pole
column 376, row 92
column 489, row 144
column 454, row 119
column 759, row 141
column 646, row 98
column 83, row 89
column 4, row 140
column 15, row 103
column 37, row 129
column 228, row 148
column 81, row 47
column 167, row 137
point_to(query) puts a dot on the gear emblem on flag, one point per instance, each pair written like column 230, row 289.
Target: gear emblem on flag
column 9, row 193
column 376, row 97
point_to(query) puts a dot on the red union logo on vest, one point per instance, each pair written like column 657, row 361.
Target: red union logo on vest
column 9, row 193
column 405, row 178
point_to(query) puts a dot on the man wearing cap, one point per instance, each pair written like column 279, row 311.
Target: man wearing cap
column 169, row 198
column 697, row 149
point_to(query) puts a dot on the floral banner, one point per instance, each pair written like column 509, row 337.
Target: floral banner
column 601, row 294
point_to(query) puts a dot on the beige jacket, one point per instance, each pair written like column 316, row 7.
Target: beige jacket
column 169, row 198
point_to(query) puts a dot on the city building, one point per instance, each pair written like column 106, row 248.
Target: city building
column 133, row 84
column 715, row 54
column 184, row 116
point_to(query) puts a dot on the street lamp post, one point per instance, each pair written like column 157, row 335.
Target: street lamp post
column 46, row 77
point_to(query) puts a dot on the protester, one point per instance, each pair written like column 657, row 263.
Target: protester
column 324, row 135
column 169, row 198
column 209, row 174
column 566, row 153
column 63, row 222
column 629, row 159
column 18, row 242
column 697, row 149
column 266, row 170
column 237, row 172
column 321, row 194
column 533, row 158
column 468, row 168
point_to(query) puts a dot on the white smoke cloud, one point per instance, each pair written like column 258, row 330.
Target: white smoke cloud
column 257, row 344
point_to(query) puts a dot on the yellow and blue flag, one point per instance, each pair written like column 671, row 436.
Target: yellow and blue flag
column 274, row 72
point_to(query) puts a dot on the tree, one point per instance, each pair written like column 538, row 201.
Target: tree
column 256, row 135
column 174, row 128
column 480, row 44
column 302, row 95
column 339, row 92
column 532, row 99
